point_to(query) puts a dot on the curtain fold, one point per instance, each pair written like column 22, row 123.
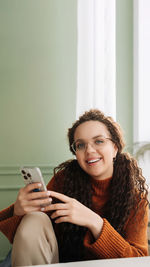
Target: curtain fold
column 96, row 67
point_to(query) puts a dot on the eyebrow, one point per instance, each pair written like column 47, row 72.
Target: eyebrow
column 100, row 135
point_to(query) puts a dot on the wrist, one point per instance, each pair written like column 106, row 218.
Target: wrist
column 96, row 226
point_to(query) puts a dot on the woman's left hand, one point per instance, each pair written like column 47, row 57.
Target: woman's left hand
column 73, row 211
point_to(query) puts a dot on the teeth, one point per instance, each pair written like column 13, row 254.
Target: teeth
column 93, row 160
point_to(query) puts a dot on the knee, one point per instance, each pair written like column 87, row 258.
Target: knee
column 32, row 225
column 35, row 231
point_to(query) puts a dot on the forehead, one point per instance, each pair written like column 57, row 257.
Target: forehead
column 90, row 129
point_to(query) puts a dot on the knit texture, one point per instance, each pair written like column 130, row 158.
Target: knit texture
column 110, row 243
column 9, row 223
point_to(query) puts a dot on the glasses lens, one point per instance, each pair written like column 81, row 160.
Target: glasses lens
column 79, row 146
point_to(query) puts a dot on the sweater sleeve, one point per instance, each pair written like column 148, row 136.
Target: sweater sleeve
column 9, row 222
column 111, row 244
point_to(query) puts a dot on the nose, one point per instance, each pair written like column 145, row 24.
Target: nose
column 90, row 148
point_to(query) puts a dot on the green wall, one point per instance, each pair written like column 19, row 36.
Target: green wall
column 38, row 54
column 37, row 79
column 124, row 68
column 38, row 61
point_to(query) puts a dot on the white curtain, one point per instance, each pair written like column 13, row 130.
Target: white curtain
column 96, row 68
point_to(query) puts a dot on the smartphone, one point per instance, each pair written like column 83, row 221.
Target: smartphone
column 33, row 175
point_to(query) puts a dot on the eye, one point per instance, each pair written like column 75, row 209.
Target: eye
column 80, row 146
column 99, row 141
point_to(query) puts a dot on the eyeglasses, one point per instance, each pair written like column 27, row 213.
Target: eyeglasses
column 96, row 143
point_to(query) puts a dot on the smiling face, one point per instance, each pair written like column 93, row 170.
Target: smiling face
column 94, row 149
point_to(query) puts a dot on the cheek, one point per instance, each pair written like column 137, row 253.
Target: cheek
column 80, row 160
column 110, row 154
column 114, row 153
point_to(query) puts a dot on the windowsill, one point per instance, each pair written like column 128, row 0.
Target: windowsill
column 139, row 261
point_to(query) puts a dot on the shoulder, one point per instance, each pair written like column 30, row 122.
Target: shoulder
column 57, row 181
column 69, row 169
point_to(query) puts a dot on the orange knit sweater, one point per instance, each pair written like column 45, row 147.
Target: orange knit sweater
column 110, row 243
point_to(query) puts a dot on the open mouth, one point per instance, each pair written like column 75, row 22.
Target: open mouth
column 93, row 161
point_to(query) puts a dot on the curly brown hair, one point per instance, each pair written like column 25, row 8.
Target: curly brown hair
column 127, row 187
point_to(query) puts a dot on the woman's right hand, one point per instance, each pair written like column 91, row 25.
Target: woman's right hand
column 29, row 201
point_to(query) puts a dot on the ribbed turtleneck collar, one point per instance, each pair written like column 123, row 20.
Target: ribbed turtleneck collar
column 101, row 185
column 100, row 194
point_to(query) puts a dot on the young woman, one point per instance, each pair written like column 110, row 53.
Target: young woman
column 97, row 202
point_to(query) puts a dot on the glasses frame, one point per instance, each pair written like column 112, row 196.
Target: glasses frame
column 72, row 146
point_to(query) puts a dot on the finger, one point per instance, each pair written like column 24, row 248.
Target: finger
column 59, row 196
column 58, row 206
column 52, row 207
column 31, row 209
column 62, row 219
column 40, row 202
column 37, row 195
column 26, row 207
column 31, row 187
column 59, row 213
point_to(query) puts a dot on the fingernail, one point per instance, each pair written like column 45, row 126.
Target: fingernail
column 42, row 209
column 48, row 193
column 39, row 185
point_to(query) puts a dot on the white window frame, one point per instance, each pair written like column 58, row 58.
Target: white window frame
column 141, row 112
column 141, row 71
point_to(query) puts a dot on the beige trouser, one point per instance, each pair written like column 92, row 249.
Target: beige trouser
column 35, row 242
